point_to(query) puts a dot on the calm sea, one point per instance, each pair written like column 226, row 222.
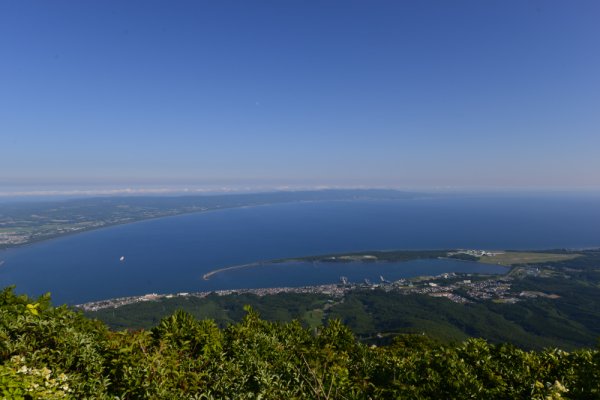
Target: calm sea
column 170, row 255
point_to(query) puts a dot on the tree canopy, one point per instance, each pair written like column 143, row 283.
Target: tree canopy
column 51, row 352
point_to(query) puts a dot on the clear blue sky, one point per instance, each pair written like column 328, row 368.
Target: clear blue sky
column 467, row 94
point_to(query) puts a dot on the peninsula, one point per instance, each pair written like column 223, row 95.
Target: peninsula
column 506, row 258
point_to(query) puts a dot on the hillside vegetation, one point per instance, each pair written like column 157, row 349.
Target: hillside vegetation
column 53, row 352
column 557, row 305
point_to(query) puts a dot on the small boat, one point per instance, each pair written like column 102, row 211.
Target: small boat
column 122, row 258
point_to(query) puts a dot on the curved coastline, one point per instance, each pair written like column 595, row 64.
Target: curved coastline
column 363, row 257
column 233, row 267
column 172, row 255
column 136, row 221
column 419, row 283
column 207, row 276
column 398, row 256
column 182, row 213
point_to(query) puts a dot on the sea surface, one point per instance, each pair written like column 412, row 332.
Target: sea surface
column 170, row 255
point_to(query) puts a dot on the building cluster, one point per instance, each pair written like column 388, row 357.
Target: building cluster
column 459, row 288
column 455, row 290
column 13, row 238
column 478, row 253
column 120, row 301
column 17, row 236
column 332, row 290
column 490, row 289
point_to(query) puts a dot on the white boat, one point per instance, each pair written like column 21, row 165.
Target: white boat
column 122, row 258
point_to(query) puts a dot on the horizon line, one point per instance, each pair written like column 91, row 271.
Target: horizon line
column 158, row 191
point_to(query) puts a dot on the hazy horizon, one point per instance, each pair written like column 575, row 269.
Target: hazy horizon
column 57, row 193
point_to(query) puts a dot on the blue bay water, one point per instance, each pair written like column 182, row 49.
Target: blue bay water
column 170, row 255
column 320, row 273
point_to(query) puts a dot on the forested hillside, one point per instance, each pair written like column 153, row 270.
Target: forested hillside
column 557, row 305
column 52, row 352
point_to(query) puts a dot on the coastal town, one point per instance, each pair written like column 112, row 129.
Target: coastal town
column 456, row 287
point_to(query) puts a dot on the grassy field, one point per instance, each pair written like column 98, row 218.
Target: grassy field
column 511, row 258
column 314, row 318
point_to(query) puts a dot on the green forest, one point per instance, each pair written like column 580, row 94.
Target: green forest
column 568, row 320
column 51, row 352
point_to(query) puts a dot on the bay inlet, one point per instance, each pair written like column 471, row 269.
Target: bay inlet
column 171, row 255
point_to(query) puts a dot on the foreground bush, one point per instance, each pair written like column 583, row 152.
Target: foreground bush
column 53, row 353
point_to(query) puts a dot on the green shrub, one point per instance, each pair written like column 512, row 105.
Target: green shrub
column 53, row 353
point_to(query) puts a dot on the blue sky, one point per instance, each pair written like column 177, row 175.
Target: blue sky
column 406, row 94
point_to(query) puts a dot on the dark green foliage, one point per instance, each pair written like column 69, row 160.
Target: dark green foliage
column 52, row 353
column 188, row 336
column 375, row 316
column 222, row 309
column 532, row 324
column 40, row 337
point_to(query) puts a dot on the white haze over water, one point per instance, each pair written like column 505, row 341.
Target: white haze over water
column 40, row 192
